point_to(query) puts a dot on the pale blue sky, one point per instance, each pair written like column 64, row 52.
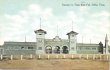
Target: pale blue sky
column 19, row 18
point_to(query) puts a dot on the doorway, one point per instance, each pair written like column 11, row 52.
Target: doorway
column 57, row 50
column 65, row 50
column 48, row 50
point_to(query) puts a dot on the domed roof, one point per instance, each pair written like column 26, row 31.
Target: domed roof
column 40, row 30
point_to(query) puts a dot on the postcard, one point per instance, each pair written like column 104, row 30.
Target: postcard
column 54, row 34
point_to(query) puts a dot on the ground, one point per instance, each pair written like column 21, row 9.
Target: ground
column 54, row 64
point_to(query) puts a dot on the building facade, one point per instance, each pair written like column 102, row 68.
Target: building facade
column 53, row 46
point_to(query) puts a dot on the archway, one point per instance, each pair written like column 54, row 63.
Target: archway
column 65, row 49
column 48, row 49
column 57, row 50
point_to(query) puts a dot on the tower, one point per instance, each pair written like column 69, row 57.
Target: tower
column 106, row 45
column 40, row 41
column 72, row 42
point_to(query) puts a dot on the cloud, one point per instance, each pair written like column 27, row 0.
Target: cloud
column 18, row 25
column 97, row 26
column 35, row 9
column 101, row 14
column 92, row 26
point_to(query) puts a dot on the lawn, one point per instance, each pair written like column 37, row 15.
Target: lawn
column 54, row 64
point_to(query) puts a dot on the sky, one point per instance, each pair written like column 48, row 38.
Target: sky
column 89, row 18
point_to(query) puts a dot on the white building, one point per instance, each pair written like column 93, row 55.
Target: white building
column 53, row 46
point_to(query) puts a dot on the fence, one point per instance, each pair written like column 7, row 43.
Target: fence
column 57, row 56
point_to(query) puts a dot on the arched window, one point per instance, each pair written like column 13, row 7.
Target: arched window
column 57, row 49
column 65, row 49
column 48, row 49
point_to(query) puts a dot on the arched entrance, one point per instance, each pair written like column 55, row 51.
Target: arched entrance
column 57, row 50
column 65, row 49
column 48, row 49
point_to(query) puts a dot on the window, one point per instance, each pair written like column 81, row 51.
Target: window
column 93, row 48
column 80, row 48
column 22, row 47
column 88, row 48
column 72, row 35
column 72, row 41
column 30, row 48
column 39, row 48
column 39, row 40
column 72, row 48
column 40, row 34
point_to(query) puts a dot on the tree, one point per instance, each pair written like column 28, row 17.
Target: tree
column 101, row 47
